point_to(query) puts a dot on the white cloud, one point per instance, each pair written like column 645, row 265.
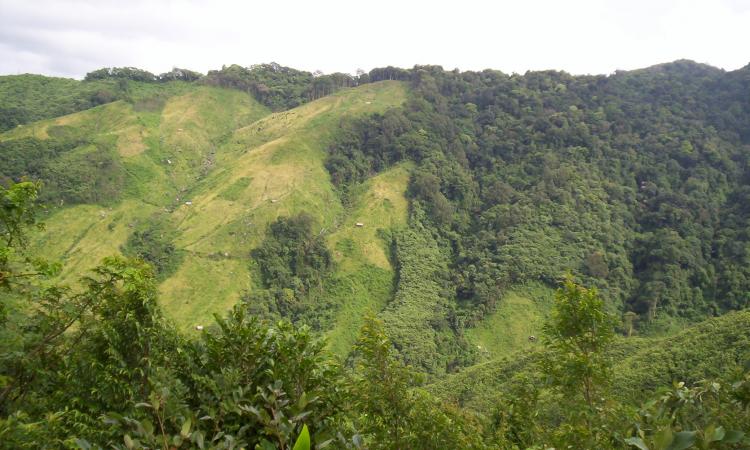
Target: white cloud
column 69, row 38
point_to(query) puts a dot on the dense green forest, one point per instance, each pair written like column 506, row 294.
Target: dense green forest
column 627, row 194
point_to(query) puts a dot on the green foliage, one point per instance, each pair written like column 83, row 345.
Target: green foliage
column 18, row 213
column 177, row 74
column 390, row 415
column 369, row 145
column 28, row 98
column 153, row 242
column 29, row 157
column 124, row 73
column 276, row 86
column 248, row 385
column 106, row 349
column 101, row 337
column 514, row 423
column 91, row 174
column 72, row 169
column 293, row 255
column 293, row 262
column 136, row 74
column 279, row 378
column 631, row 181
column 714, row 349
column 576, row 337
column 705, row 416
column 303, row 441
column 418, row 319
column 635, row 182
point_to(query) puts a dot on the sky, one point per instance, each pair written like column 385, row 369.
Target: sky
column 72, row 37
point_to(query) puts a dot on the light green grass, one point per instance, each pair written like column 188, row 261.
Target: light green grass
column 357, row 293
column 204, row 285
column 240, row 167
column 520, row 313
column 270, row 168
column 365, row 278
column 378, row 204
column 81, row 236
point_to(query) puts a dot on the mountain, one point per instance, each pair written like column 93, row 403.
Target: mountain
column 444, row 207
column 518, row 179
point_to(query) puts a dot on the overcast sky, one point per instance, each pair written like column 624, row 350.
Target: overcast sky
column 70, row 38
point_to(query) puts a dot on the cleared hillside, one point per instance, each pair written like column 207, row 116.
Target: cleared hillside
column 218, row 167
column 270, row 168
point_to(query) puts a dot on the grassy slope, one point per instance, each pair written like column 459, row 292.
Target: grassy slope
column 365, row 275
column 270, row 168
column 81, row 235
column 520, row 314
column 240, row 167
column 710, row 349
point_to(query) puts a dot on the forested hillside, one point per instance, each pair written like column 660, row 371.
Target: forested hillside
column 403, row 258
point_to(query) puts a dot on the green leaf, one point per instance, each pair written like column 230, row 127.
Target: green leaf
column 185, row 431
column 663, row 438
column 265, row 445
column 303, row 441
column 733, row 436
column 302, row 402
column 717, row 435
column 637, row 442
column 683, row 440
column 83, row 444
column 198, row 439
column 148, row 427
column 128, row 441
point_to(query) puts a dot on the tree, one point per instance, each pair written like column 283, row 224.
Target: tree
column 244, row 384
column 390, row 412
column 576, row 337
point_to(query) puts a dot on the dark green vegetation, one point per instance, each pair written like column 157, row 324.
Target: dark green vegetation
column 27, row 98
column 294, row 262
column 635, row 182
column 437, row 222
column 279, row 87
column 74, row 170
column 152, row 242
